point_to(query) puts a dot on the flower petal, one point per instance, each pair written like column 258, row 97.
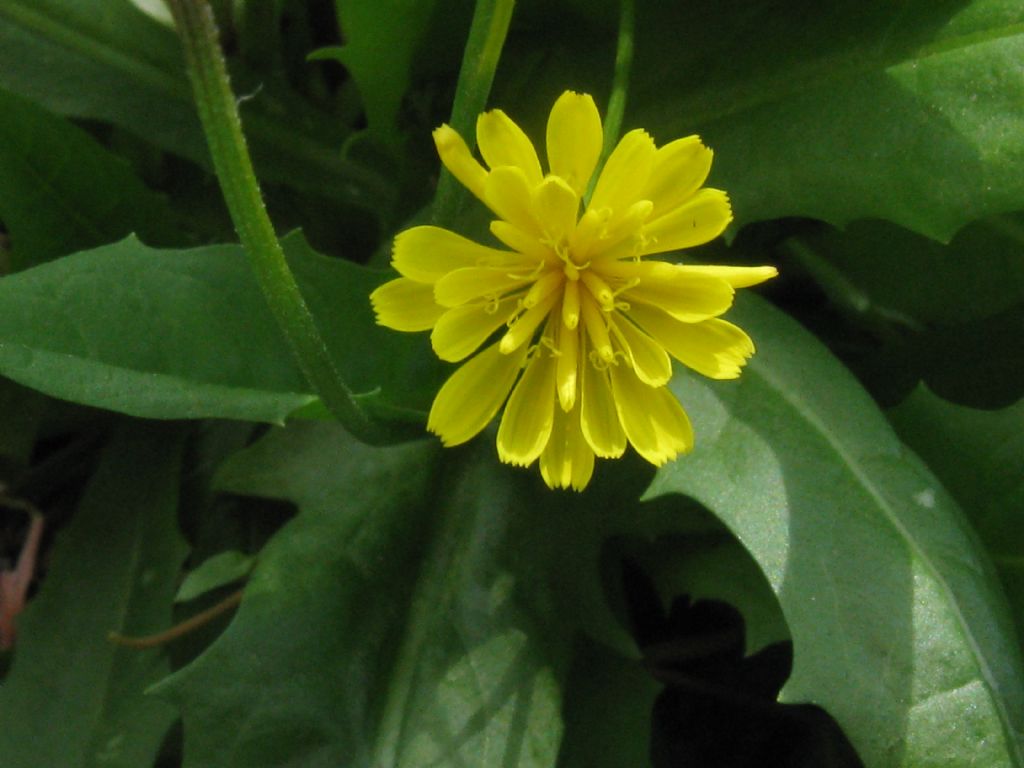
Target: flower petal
column 654, row 421
column 472, row 283
column 528, row 246
column 574, row 139
column 650, row 361
column 427, row 254
column 680, row 167
column 737, row 277
column 460, row 331
column 715, row 348
column 507, row 193
column 567, row 461
column 473, row 394
column 625, row 173
column 502, row 142
column 529, row 414
column 699, row 220
column 599, row 418
column 555, row 207
column 687, row 296
column 457, row 158
column 405, row 305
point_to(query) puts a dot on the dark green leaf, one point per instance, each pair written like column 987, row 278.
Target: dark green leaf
column 72, row 697
column 402, row 366
column 608, row 710
column 898, row 625
column 918, row 308
column 392, row 626
column 887, row 274
column 901, row 111
column 60, row 191
column 164, row 334
column 186, row 334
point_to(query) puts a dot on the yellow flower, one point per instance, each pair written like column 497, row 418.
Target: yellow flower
column 580, row 326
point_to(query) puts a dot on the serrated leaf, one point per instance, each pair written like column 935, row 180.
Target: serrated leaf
column 60, row 191
column 159, row 334
column 187, row 334
column 907, row 112
column 899, row 627
column 72, row 697
column 407, row 642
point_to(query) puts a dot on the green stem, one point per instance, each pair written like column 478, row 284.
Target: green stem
column 620, row 78
column 218, row 112
column 620, row 86
column 479, row 62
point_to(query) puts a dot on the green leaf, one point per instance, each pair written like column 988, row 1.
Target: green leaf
column 898, row 625
column 979, row 456
column 380, row 41
column 608, row 710
column 160, row 334
column 60, row 191
column 218, row 571
column 398, row 372
column 73, row 698
column 887, row 274
column 186, row 334
column 924, row 305
column 901, row 111
column 105, row 60
column 391, row 626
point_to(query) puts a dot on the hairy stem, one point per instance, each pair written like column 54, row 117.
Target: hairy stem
column 218, row 113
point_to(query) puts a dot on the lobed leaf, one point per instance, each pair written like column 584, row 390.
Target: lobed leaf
column 390, row 626
column 186, row 334
column 898, row 624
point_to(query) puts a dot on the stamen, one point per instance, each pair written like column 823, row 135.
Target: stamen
column 533, row 274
